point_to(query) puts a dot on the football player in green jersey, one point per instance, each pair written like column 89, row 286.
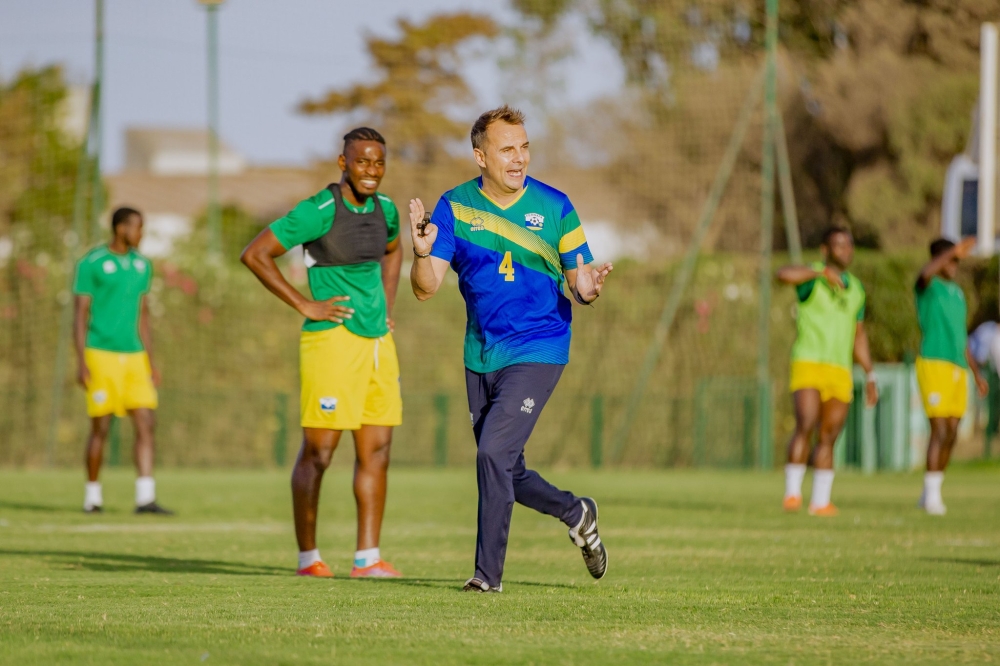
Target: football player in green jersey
column 943, row 361
column 114, row 343
column 831, row 334
column 349, row 232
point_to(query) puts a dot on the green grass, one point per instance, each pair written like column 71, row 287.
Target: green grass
column 704, row 569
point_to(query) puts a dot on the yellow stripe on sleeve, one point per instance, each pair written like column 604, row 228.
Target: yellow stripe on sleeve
column 572, row 240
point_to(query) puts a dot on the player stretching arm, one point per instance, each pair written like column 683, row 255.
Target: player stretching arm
column 831, row 333
column 513, row 242
column 347, row 358
column 114, row 345
column 943, row 360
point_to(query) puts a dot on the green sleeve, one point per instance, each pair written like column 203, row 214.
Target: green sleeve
column 391, row 216
column 149, row 276
column 805, row 290
column 304, row 223
column 84, row 282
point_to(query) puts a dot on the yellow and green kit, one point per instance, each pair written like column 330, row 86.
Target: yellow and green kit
column 823, row 352
column 349, row 372
column 941, row 365
column 120, row 377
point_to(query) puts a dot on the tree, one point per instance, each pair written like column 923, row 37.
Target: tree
column 876, row 98
column 418, row 82
column 38, row 164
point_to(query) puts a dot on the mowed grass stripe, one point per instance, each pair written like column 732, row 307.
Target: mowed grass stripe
column 704, row 569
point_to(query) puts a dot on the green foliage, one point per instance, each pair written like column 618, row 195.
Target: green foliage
column 38, row 165
column 705, row 569
column 237, row 229
column 876, row 98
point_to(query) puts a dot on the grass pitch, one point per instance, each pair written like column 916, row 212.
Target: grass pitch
column 704, row 568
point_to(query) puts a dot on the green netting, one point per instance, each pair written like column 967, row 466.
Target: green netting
column 671, row 163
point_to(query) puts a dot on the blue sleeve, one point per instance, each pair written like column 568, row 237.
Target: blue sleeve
column 444, row 220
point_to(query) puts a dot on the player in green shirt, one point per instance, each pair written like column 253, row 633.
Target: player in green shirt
column 349, row 233
column 831, row 335
column 114, row 343
column 943, row 361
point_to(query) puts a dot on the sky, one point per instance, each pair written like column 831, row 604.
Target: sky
column 271, row 56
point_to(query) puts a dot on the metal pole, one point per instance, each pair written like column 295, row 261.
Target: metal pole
column 788, row 209
column 765, row 437
column 214, row 222
column 96, row 198
column 79, row 228
column 687, row 268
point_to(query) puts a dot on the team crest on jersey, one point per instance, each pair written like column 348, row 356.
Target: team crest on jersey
column 478, row 224
column 139, row 265
column 328, row 405
column 109, row 266
column 534, row 221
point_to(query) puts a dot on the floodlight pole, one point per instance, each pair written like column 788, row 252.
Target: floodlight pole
column 214, row 214
column 765, row 444
column 96, row 198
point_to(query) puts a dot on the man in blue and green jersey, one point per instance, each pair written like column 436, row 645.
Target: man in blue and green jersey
column 349, row 234
column 114, row 346
column 943, row 361
column 516, row 244
column 831, row 336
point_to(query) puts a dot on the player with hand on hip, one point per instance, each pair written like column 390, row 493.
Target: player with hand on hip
column 943, row 361
column 831, row 333
column 114, row 345
column 516, row 244
column 349, row 371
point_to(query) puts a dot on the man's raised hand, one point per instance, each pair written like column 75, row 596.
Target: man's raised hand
column 423, row 232
column 327, row 310
column 833, row 278
column 590, row 281
column 965, row 247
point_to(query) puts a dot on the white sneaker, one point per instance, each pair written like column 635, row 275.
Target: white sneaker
column 935, row 508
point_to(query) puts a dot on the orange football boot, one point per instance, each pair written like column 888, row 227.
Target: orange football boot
column 827, row 511
column 316, row 570
column 380, row 569
column 792, row 503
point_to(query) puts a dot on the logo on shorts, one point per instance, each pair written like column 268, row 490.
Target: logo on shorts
column 529, row 405
column 534, row 221
column 100, row 397
column 327, row 405
column 109, row 266
column 472, row 419
column 478, row 224
column 934, row 399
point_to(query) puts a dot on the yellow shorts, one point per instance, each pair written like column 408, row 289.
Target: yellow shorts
column 119, row 382
column 944, row 388
column 832, row 381
column 349, row 381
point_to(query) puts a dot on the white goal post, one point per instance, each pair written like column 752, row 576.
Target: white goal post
column 987, row 140
column 969, row 200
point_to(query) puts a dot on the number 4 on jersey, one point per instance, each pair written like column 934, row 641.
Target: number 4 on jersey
column 507, row 268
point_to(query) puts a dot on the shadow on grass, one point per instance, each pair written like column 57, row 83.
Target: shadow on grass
column 670, row 505
column 957, row 560
column 120, row 562
column 48, row 508
column 442, row 583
